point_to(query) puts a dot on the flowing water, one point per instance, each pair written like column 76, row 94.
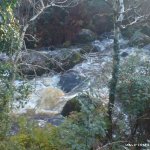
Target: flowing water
column 48, row 98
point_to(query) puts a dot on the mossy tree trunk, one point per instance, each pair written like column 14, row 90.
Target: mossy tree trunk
column 118, row 7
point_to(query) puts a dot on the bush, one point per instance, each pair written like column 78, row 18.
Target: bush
column 134, row 85
column 134, row 94
column 9, row 28
column 31, row 136
column 83, row 129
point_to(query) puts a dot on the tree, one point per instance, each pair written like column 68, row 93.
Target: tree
column 35, row 9
column 125, row 14
column 8, row 29
column 12, row 34
column 27, row 13
column 115, row 70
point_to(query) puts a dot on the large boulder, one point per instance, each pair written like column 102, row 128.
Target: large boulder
column 75, row 104
column 139, row 39
column 33, row 63
column 70, row 80
column 49, row 98
column 59, row 26
column 102, row 23
column 85, row 36
column 71, row 60
column 39, row 62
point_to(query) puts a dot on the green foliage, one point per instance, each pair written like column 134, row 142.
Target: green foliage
column 134, row 85
column 9, row 28
column 6, row 93
column 82, row 130
column 32, row 137
column 9, row 42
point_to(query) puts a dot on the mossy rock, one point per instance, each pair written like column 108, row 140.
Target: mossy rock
column 76, row 104
column 87, row 49
column 139, row 39
column 67, row 44
column 69, row 80
column 70, row 106
column 85, row 36
column 129, row 31
column 72, row 60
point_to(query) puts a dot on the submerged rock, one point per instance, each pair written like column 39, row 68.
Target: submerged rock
column 124, row 54
column 49, row 98
column 70, row 80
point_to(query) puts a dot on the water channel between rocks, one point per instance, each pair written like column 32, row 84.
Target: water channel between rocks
column 49, row 97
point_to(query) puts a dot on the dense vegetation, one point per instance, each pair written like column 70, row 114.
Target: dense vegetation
column 87, row 125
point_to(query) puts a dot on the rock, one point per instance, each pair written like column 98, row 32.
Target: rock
column 72, row 60
column 76, row 103
column 70, row 80
column 50, row 48
column 54, row 120
column 40, row 62
column 65, row 58
column 102, row 23
column 67, row 44
column 4, row 57
column 85, row 36
column 124, row 54
column 70, row 106
column 88, row 48
column 33, row 63
column 49, row 98
column 104, row 45
column 147, row 47
column 139, row 39
column 129, row 31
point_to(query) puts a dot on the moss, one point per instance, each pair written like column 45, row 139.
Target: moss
column 86, row 49
column 76, row 57
column 72, row 60
column 66, row 44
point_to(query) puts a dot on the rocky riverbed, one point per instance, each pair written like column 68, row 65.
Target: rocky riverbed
column 91, row 70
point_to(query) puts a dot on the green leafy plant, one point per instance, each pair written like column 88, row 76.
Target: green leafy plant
column 133, row 92
column 83, row 129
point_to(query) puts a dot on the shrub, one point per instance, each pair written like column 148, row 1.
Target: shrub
column 9, row 28
column 134, row 94
column 31, row 136
column 83, row 129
